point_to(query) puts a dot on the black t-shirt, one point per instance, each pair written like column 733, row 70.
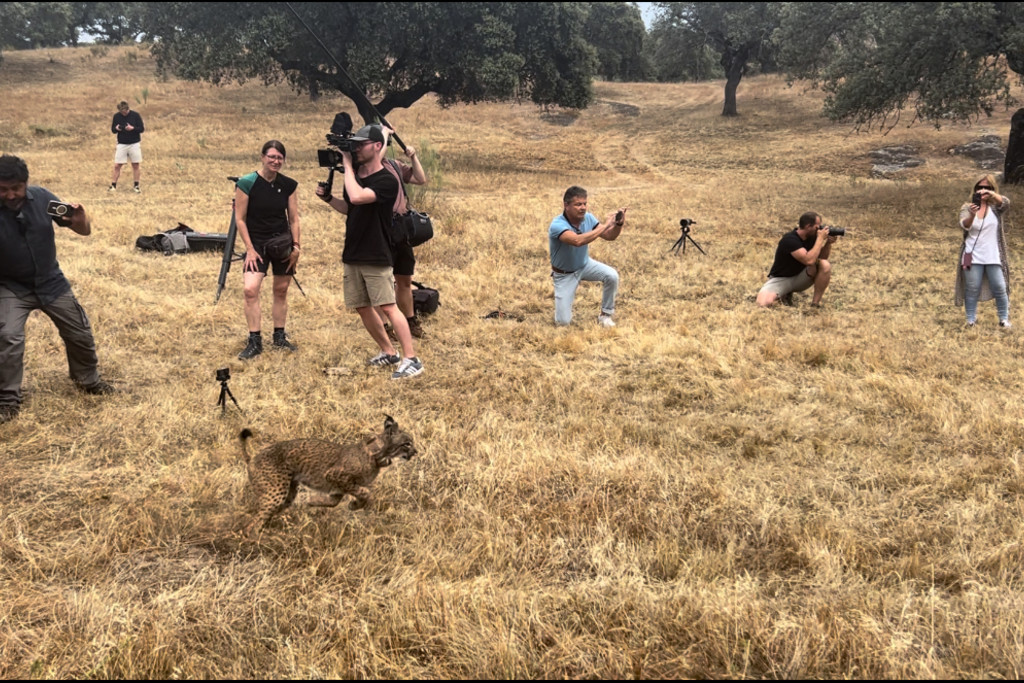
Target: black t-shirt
column 267, row 214
column 366, row 237
column 785, row 265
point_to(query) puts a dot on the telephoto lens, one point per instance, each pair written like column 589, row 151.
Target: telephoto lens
column 833, row 231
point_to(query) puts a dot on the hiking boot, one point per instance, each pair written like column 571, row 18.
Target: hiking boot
column 410, row 367
column 384, row 360
column 252, row 349
column 101, row 388
column 281, row 342
column 787, row 300
column 8, row 413
column 392, row 335
column 415, row 329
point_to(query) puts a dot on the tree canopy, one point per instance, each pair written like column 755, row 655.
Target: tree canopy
column 616, row 30
column 399, row 52
column 944, row 61
column 739, row 33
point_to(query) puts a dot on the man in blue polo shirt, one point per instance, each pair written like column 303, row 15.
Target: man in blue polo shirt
column 569, row 237
column 31, row 279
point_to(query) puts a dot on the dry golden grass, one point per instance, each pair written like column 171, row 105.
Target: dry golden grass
column 708, row 490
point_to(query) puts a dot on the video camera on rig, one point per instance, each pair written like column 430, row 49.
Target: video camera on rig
column 340, row 138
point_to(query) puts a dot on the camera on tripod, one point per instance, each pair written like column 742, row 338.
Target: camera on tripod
column 680, row 245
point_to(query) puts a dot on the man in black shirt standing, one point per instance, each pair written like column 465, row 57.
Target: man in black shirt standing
column 128, row 128
column 800, row 261
column 31, row 279
column 368, row 200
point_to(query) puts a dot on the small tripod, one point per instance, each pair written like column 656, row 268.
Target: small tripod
column 223, row 375
column 681, row 242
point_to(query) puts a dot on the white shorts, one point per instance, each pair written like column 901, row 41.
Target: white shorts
column 126, row 153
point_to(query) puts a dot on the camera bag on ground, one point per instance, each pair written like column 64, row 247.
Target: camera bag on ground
column 182, row 240
column 425, row 300
column 411, row 228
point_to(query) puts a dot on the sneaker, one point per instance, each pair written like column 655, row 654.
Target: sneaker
column 410, row 367
column 605, row 320
column 111, row 189
column 137, row 190
column 252, row 349
column 384, row 360
column 101, row 388
column 392, row 335
column 415, row 329
column 1005, row 323
column 8, row 413
column 281, row 342
column 971, row 323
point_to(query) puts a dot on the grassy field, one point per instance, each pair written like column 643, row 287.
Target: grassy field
column 706, row 490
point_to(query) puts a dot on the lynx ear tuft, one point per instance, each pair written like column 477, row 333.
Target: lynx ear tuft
column 389, row 424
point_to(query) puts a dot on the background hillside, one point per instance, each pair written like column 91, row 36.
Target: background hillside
column 707, row 490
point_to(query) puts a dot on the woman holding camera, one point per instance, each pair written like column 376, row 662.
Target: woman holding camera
column 267, row 216
column 983, row 273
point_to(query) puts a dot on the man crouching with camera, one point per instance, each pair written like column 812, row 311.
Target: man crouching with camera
column 31, row 279
column 801, row 260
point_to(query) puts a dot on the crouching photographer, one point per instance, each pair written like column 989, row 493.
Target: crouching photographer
column 31, row 279
column 801, row 260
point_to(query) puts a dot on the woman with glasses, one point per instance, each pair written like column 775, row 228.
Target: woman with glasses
column 266, row 207
column 983, row 273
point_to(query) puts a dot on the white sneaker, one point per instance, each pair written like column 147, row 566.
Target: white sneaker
column 605, row 320
column 1005, row 323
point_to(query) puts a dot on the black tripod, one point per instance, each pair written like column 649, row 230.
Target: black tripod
column 681, row 242
column 230, row 255
column 223, row 375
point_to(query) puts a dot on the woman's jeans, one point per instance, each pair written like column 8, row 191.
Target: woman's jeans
column 996, row 283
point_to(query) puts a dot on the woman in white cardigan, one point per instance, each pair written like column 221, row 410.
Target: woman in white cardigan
column 983, row 273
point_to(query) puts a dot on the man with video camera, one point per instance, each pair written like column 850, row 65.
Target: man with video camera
column 801, row 260
column 368, row 202
column 31, row 279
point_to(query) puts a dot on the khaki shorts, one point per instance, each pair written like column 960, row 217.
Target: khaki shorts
column 126, row 153
column 787, row 285
column 368, row 285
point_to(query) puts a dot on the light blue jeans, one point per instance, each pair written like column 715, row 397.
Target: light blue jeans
column 566, row 284
column 972, row 290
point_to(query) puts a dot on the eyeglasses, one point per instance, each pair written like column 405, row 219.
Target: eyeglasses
column 274, row 158
column 982, row 187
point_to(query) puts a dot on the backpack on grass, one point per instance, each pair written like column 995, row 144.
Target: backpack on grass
column 182, row 240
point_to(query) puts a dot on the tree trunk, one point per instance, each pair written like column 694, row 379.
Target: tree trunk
column 1013, row 170
column 735, row 64
column 314, row 90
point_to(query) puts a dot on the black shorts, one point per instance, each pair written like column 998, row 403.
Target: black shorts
column 405, row 261
column 280, row 267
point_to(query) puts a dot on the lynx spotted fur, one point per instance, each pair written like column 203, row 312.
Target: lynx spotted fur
column 331, row 470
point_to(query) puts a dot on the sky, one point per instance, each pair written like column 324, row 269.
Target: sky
column 647, row 10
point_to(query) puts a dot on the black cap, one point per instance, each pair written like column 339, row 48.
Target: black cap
column 371, row 133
